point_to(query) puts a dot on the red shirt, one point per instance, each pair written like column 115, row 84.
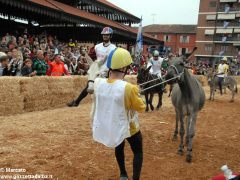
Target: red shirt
column 57, row 69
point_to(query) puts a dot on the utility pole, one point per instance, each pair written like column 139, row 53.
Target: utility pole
column 153, row 17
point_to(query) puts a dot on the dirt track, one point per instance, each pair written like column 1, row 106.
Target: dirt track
column 59, row 142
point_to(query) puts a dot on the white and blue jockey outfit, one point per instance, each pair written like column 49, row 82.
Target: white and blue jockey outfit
column 102, row 51
column 156, row 66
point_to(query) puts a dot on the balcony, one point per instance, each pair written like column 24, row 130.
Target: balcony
column 227, row 40
column 226, row 16
column 231, row 24
column 224, row 31
column 231, row 9
column 228, row 1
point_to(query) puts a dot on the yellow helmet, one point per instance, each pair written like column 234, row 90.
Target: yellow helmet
column 119, row 58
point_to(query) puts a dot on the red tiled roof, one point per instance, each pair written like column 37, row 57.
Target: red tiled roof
column 174, row 29
column 88, row 16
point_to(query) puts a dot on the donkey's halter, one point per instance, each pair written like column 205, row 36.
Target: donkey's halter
column 179, row 75
column 91, row 81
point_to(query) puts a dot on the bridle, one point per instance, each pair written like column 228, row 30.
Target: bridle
column 179, row 74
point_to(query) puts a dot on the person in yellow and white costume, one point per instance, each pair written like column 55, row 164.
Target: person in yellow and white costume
column 103, row 49
column 221, row 72
column 115, row 117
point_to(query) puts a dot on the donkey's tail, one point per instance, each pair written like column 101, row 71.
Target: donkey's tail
column 236, row 89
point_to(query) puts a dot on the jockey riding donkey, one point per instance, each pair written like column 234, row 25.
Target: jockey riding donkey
column 156, row 65
column 97, row 68
column 221, row 80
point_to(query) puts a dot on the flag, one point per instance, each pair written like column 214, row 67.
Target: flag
column 139, row 45
column 225, row 24
column 224, row 38
column 227, row 9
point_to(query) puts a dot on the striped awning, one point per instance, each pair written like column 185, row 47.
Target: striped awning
column 209, row 31
column 223, row 31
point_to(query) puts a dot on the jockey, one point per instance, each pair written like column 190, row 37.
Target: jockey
column 221, row 72
column 156, row 63
column 103, row 49
column 114, row 112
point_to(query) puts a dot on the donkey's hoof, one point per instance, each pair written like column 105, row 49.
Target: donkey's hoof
column 157, row 108
column 231, row 101
column 189, row 158
column 146, row 110
column 152, row 108
column 174, row 138
column 180, row 152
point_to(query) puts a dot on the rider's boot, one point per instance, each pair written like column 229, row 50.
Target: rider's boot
column 72, row 104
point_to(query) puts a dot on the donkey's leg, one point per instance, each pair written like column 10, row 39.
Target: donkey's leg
column 182, row 132
column 147, row 102
column 176, row 127
column 211, row 92
column 193, row 118
column 187, row 129
column 231, row 88
column 160, row 94
column 151, row 101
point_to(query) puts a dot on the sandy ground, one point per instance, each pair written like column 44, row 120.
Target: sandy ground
column 59, row 142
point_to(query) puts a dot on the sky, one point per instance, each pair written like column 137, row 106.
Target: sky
column 162, row 11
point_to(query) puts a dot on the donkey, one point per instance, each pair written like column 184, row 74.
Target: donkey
column 188, row 98
column 229, row 82
column 144, row 76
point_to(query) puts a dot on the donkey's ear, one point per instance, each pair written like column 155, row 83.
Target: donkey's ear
column 148, row 69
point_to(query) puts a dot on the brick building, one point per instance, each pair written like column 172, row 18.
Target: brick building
column 218, row 30
column 179, row 39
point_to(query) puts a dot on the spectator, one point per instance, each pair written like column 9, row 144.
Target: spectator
column 85, row 61
column 4, row 66
column 16, row 62
column 57, row 67
column 27, row 69
column 39, row 64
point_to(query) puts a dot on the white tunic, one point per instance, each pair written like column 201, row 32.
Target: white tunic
column 102, row 52
column 156, row 66
column 110, row 121
column 221, row 69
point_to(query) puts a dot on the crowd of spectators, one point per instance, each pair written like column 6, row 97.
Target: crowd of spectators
column 40, row 55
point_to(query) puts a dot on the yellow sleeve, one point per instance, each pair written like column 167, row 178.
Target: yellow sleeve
column 133, row 100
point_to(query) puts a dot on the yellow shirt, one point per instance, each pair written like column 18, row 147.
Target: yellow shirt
column 132, row 101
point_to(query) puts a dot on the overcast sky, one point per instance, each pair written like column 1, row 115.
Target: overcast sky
column 162, row 11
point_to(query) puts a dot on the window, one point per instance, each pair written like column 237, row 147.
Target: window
column 212, row 4
column 208, row 47
column 167, row 38
column 224, row 48
column 184, row 39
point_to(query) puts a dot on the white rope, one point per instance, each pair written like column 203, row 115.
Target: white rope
column 158, row 78
column 162, row 82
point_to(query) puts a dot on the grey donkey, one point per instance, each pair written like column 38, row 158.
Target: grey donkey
column 228, row 82
column 188, row 98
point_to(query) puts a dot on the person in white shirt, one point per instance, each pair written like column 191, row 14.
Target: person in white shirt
column 221, row 72
column 102, row 50
column 156, row 64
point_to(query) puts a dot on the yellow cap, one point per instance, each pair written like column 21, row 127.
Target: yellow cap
column 119, row 58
